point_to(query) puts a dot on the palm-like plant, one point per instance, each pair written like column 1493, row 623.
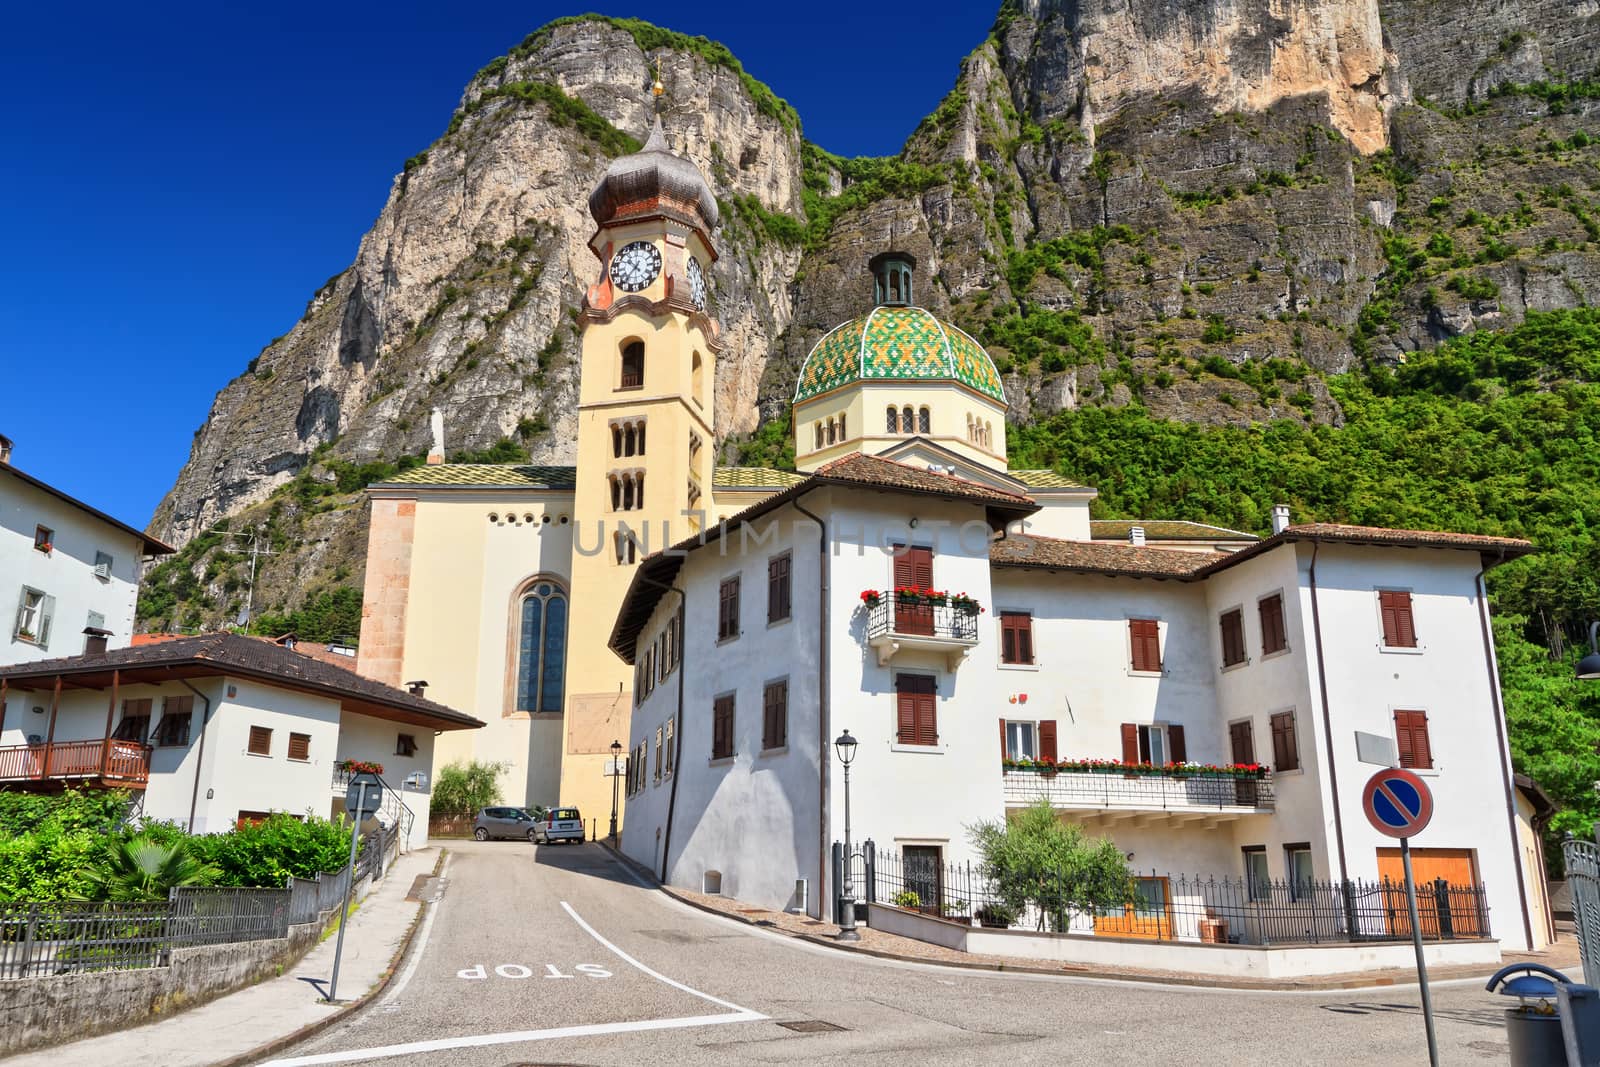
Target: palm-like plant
column 141, row 868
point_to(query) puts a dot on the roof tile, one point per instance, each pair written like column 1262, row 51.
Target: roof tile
column 1051, row 553
column 486, row 476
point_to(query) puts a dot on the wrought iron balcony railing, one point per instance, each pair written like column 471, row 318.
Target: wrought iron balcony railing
column 1078, row 791
column 894, row 622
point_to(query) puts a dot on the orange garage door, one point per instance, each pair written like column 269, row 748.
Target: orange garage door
column 1455, row 911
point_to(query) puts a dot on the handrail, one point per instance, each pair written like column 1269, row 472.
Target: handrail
column 909, row 616
column 399, row 813
column 107, row 758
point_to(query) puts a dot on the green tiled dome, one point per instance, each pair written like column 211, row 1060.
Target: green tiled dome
column 897, row 344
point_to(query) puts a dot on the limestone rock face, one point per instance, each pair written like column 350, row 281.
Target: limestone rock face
column 1203, row 204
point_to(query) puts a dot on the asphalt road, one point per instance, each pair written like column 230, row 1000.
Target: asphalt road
column 556, row 955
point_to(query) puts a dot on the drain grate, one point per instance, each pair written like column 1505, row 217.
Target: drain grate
column 811, row 1026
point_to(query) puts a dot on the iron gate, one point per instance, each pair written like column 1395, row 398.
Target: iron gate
column 1583, row 879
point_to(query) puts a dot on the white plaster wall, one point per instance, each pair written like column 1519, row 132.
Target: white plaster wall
column 1066, row 517
column 363, row 737
column 753, row 817
column 66, row 573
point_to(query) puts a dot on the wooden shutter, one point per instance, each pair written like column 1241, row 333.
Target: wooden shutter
column 728, row 609
column 1145, row 637
column 1399, row 629
column 1047, row 740
column 917, row 709
column 1273, row 636
column 1005, row 752
column 1411, row 739
column 300, row 746
column 260, row 741
column 1130, row 742
column 1285, row 747
column 1016, row 637
column 722, row 727
column 1178, row 750
column 775, row 715
column 1242, row 742
column 1232, row 637
column 913, row 567
column 778, row 588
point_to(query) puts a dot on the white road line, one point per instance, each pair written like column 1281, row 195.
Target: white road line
column 420, row 946
column 511, row 1038
column 592, row 932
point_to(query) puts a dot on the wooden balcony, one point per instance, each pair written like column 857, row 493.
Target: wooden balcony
column 895, row 623
column 1144, row 798
column 105, row 762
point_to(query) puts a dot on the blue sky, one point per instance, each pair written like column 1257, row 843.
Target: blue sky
column 177, row 180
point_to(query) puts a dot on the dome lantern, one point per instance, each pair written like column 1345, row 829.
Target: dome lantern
column 891, row 278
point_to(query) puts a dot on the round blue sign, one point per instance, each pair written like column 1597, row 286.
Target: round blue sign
column 1397, row 803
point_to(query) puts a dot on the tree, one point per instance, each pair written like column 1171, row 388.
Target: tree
column 1035, row 858
column 140, row 868
column 461, row 789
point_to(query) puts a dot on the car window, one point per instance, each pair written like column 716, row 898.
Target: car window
column 564, row 813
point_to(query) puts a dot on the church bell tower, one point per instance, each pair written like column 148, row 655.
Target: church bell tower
column 645, row 426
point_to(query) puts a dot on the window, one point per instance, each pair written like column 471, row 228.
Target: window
column 43, row 538
column 778, row 588
column 833, row 432
column 660, row 737
column 1258, row 882
column 1232, row 623
column 541, row 648
column 1297, row 866
column 819, row 436
column 1021, row 740
column 1285, row 746
column 102, row 565
column 728, row 609
column 913, row 568
column 176, row 715
column 260, row 741
column 908, row 420
column 251, row 818
column 34, row 613
column 1411, row 739
column 893, row 421
column 1145, row 638
column 1399, row 630
column 697, row 378
column 1274, row 638
column 924, row 421
column 916, row 700
column 1157, row 744
column 842, row 435
column 633, row 365
column 300, row 747
column 1016, row 637
column 135, row 724
column 1242, row 741
column 671, row 761
column 722, row 727
column 627, row 490
column 627, row 547
column 775, row 714
column 405, row 745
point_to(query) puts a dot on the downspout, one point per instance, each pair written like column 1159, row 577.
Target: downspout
column 677, row 736
column 1327, row 716
column 823, row 728
column 200, row 756
column 1500, row 739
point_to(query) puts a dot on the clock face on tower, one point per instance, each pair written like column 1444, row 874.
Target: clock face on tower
column 697, row 284
column 635, row 266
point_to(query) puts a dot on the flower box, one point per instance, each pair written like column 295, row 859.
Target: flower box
column 1241, row 771
column 357, row 766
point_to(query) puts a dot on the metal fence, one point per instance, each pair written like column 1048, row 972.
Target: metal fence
column 1583, row 877
column 1154, row 792
column 74, row 937
column 914, row 616
column 1195, row 908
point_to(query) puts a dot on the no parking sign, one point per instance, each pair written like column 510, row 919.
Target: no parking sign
column 1397, row 803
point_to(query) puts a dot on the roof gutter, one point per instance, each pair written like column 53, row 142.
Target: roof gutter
column 1327, row 715
column 823, row 725
column 1490, row 665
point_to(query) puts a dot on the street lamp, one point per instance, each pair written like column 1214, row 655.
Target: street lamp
column 1589, row 666
column 845, row 746
column 616, row 753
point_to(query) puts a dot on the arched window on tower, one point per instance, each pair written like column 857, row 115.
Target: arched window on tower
column 924, row 421
column 616, row 492
column 819, row 437
column 627, row 439
column 633, row 365
column 638, row 443
column 988, row 435
column 616, row 442
column 908, row 420
column 541, row 647
column 894, row 420
column 697, row 379
column 971, row 433
column 833, row 432
column 842, row 435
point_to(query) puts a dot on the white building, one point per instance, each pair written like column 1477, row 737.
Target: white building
column 218, row 730
column 69, row 571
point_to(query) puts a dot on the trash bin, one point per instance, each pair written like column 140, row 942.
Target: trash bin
column 1534, row 1027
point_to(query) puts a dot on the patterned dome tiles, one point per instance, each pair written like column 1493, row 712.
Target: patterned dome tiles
column 897, row 344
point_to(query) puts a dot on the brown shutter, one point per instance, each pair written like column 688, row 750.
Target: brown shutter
column 906, row 710
column 1003, row 753
column 777, row 588
column 1242, row 742
column 1008, row 640
column 1180, row 750
column 1145, row 637
column 1411, row 739
column 927, row 715
column 260, row 741
column 1047, row 740
column 1130, row 743
column 1285, row 748
column 1273, row 636
column 1232, row 623
column 917, row 710
column 1399, row 630
column 300, row 746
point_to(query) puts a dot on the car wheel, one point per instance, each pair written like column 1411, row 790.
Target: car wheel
column 481, row 834
column 533, row 837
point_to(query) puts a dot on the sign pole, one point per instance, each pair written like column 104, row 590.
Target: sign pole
column 1416, row 942
column 349, row 889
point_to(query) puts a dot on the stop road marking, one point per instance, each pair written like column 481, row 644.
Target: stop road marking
column 479, row 972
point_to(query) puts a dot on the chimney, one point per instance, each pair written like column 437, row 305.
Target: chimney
column 436, row 425
column 417, row 689
column 1280, row 518
column 1136, row 536
column 5, row 449
column 94, row 640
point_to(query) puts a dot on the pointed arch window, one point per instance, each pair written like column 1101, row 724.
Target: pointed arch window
column 542, row 648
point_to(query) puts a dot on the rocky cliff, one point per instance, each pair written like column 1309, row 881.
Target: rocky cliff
column 1202, row 207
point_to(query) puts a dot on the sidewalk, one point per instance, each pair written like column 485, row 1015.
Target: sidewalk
column 241, row 1023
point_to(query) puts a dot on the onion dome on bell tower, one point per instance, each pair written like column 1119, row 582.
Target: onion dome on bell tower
column 654, row 181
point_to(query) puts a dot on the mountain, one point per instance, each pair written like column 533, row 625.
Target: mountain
column 1200, row 210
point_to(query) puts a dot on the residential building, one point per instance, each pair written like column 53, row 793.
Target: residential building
column 218, row 730
column 70, row 571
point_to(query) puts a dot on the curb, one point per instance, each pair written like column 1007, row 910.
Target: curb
column 312, row 1029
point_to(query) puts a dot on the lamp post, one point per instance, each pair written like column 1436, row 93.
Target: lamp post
column 845, row 746
column 616, row 753
column 1589, row 666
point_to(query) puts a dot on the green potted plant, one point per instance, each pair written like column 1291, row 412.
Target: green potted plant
column 908, row 899
column 964, row 604
column 957, row 911
column 997, row 916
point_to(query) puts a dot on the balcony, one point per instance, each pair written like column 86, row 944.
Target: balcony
column 1143, row 798
column 896, row 622
column 98, row 762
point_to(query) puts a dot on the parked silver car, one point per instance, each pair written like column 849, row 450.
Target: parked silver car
column 558, row 824
column 503, row 822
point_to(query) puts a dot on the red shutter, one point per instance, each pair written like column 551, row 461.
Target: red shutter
column 1047, row 740
column 1399, row 630
column 1004, row 754
column 1411, row 739
column 1024, row 638
column 1180, row 750
column 917, row 709
column 913, row 567
column 1130, row 743
column 906, row 707
column 1008, row 640
column 1145, row 637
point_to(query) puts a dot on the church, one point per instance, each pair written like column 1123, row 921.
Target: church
column 984, row 641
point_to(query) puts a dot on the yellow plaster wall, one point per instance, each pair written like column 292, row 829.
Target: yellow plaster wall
column 865, row 407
